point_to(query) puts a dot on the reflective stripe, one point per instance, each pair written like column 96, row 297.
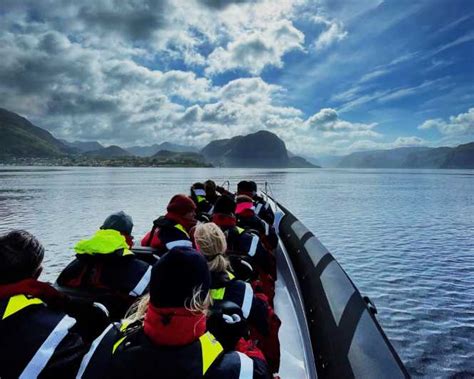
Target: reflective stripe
column 17, row 303
column 125, row 324
column 246, row 367
column 218, row 293
column 258, row 208
column 142, row 284
column 46, row 350
column 184, row 243
column 253, row 246
column 267, row 228
column 199, row 192
column 117, row 344
column 90, row 353
column 127, row 252
column 247, row 302
column 182, row 229
column 211, row 349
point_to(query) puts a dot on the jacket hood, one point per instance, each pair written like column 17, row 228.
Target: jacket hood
column 104, row 241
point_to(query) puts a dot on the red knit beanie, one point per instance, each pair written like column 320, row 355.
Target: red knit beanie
column 181, row 204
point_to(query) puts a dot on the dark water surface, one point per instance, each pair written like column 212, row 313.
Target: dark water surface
column 405, row 237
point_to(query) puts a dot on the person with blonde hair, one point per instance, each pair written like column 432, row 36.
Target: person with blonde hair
column 264, row 324
column 169, row 338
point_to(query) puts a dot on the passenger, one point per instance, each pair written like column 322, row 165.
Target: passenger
column 264, row 323
column 171, row 338
column 198, row 195
column 239, row 241
column 242, row 243
column 262, row 207
column 43, row 333
column 211, row 192
column 247, row 219
column 105, row 269
column 172, row 229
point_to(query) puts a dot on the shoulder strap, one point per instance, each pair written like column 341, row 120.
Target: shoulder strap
column 17, row 303
column 211, row 350
column 182, row 229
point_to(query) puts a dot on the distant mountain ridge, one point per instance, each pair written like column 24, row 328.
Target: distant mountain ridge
column 260, row 149
column 461, row 156
column 148, row 151
column 83, row 147
column 20, row 138
column 112, row 151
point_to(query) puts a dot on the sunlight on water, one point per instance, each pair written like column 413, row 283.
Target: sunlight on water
column 406, row 238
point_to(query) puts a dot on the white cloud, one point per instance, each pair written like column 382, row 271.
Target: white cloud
column 361, row 145
column 254, row 51
column 373, row 75
column 462, row 124
column 333, row 33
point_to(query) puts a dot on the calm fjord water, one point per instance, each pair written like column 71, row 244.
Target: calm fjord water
column 405, row 237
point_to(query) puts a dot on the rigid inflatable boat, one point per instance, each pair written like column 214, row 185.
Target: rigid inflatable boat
column 328, row 329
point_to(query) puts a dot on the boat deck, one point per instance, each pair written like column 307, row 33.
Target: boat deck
column 295, row 344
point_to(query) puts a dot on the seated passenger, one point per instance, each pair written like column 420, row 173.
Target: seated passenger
column 171, row 340
column 247, row 219
column 43, row 333
column 264, row 323
column 262, row 207
column 198, row 195
column 172, row 229
column 211, row 192
column 105, row 269
column 240, row 242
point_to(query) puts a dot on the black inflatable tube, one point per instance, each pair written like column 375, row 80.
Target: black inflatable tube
column 347, row 340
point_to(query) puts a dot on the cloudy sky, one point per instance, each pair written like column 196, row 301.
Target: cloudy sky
column 328, row 76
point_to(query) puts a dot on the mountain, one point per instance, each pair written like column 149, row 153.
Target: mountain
column 109, row 152
column 260, row 149
column 180, row 156
column 148, row 151
column 83, row 147
column 20, row 138
column 461, row 156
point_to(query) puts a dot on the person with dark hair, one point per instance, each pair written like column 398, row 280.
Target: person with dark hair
column 105, row 269
column 174, row 228
column 247, row 219
column 239, row 241
column 168, row 336
column 211, row 191
column 43, row 333
column 262, row 207
column 198, row 195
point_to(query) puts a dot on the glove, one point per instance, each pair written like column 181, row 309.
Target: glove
column 92, row 318
column 242, row 269
column 227, row 323
column 203, row 217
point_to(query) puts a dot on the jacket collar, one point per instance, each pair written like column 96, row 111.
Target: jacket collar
column 223, row 220
column 173, row 326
